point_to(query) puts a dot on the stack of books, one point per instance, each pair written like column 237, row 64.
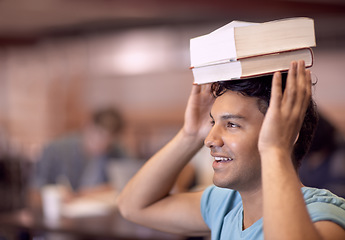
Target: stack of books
column 241, row 50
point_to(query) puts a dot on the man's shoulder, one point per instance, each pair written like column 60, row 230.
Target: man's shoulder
column 323, row 205
column 62, row 148
column 313, row 195
column 70, row 140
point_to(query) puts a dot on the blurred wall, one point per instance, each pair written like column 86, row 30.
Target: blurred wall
column 329, row 91
column 49, row 87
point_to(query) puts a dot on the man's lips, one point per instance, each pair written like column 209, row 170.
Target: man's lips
column 220, row 162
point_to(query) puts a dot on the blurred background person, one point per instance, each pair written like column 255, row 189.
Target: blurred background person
column 324, row 165
column 79, row 160
column 13, row 174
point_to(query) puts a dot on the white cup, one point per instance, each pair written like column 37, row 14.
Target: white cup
column 51, row 201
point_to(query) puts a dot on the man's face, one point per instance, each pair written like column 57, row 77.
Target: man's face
column 97, row 140
column 233, row 141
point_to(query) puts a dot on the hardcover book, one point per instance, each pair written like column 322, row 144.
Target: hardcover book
column 245, row 49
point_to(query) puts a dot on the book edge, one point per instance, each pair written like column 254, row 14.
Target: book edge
column 260, row 74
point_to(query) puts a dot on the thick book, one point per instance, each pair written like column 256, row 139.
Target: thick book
column 251, row 66
column 238, row 40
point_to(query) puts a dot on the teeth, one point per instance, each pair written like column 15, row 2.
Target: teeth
column 222, row 159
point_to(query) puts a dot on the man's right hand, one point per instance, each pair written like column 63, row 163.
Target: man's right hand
column 146, row 199
column 197, row 118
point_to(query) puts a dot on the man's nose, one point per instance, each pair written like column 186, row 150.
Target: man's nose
column 214, row 138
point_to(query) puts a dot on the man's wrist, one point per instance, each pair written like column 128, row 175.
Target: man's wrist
column 192, row 140
column 275, row 153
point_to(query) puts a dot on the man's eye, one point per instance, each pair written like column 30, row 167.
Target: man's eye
column 212, row 123
column 232, row 125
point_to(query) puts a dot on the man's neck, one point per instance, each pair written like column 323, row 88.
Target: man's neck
column 252, row 207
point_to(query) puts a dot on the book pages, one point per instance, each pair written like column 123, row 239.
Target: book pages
column 218, row 48
column 217, row 72
column 274, row 36
column 220, row 45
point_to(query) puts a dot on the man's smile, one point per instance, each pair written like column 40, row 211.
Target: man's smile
column 222, row 159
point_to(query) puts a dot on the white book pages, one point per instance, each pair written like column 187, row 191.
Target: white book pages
column 220, row 45
column 217, row 72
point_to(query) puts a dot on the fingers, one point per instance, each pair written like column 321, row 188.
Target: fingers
column 276, row 92
column 304, row 88
column 199, row 88
column 309, row 84
column 290, row 92
column 206, row 88
column 298, row 90
column 307, row 88
column 196, row 88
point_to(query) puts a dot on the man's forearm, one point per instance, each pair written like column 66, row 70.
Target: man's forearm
column 155, row 180
column 285, row 213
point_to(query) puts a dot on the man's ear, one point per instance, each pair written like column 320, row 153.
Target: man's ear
column 296, row 139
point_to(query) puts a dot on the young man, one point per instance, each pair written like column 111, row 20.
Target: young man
column 257, row 193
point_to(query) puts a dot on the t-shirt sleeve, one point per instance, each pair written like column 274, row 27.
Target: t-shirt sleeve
column 327, row 212
column 325, row 206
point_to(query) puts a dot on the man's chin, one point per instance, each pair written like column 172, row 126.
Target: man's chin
column 221, row 184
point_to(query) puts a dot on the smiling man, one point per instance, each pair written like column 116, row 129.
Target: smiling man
column 257, row 134
column 236, row 122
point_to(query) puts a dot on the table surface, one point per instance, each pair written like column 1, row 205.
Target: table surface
column 110, row 226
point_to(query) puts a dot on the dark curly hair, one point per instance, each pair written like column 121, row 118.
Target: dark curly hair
column 109, row 119
column 260, row 87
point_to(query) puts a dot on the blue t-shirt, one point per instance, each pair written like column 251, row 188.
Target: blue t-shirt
column 222, row 211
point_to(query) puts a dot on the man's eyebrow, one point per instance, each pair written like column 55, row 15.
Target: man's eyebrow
column 229, row 116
